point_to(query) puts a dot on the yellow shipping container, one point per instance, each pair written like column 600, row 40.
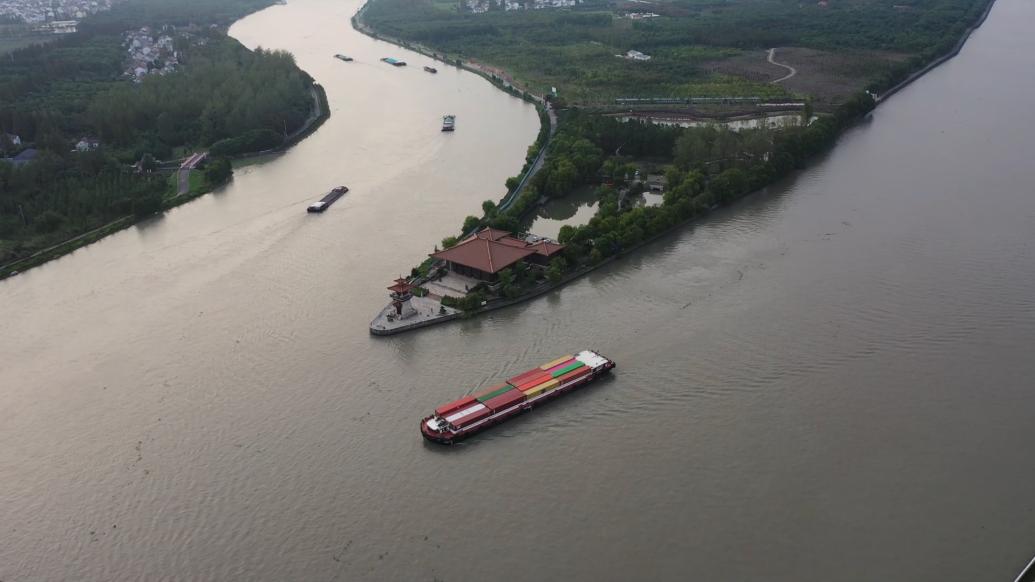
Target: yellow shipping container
column 556, row 362
column 544, row 387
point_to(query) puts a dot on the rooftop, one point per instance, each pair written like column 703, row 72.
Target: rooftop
column 483, row 254
column 491, row 250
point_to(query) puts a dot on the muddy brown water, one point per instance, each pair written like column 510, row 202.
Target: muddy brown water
column 832, row 380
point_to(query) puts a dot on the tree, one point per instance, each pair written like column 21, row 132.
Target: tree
column 509, row 286
column 555, row 272
column 218, row 171
column 49, row 221
column 471, row 223
column 449, row 241
column 147, row 205
column 6, row 144
column 489, row 208
column 729, row 185
column 147, row 163
column 566, row 233
column 562, row 178
column 691, row 149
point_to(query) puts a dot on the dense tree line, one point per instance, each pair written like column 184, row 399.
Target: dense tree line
column 73, row 87
column 57, row 197
column 47, row 88
column 710, row 167
column 575, row 50
column 224, row 91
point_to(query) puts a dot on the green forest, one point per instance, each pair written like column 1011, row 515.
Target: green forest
column 575, row 49
column 706, row 167
column 222, row 96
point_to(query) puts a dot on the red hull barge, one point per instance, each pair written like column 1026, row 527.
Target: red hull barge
column 469, row 415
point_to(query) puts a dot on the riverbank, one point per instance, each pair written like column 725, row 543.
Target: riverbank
column 940, row 60
column 495, row 76
column 321, row 112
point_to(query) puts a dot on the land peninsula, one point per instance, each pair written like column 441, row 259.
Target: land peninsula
column 626, row 91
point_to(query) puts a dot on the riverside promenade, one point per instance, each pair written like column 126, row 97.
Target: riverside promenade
column 428, row 311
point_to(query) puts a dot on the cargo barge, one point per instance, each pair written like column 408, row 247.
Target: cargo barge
column 394, row 62
column 448, row 122
column 345, row 58
column 472, row 414
column 328, row 199
column 430, row 69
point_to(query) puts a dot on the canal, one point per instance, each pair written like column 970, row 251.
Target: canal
column 831, row 380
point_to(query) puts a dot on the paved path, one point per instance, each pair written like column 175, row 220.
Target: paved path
column 792, row 71
column 536, row 165
column 183, row 174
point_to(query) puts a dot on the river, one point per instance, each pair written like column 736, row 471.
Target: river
column 832, row 380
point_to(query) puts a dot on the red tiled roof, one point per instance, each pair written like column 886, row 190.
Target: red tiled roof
column 512, row 241
column 546, row 248
column 484, row 254
column 488, row 233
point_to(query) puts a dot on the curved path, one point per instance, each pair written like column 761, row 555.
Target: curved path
column 791, row 70
column 536, row 165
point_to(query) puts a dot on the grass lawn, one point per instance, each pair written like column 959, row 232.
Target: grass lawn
column 197, row 182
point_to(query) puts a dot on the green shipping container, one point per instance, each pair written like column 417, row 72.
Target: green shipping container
column 494, row 393
column 567, row 369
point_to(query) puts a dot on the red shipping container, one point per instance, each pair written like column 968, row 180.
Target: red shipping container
column 525, row 376
column 454, row 405
column 490, row 390
column 505, row 400
column 472, row 418
column 533, row 381
column 574, row 374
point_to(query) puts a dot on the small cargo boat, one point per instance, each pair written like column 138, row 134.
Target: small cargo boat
column 462, row 418
column 430, row 69
column 342, row 57
column 448, row 122
column 328, row 199
column 394, row 62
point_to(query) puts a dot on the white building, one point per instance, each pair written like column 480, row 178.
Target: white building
column 87, row 144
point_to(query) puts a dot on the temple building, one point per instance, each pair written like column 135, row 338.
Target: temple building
column 487, row 252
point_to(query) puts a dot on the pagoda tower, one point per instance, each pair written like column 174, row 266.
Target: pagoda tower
column 401, row 292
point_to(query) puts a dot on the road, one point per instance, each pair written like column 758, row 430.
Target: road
column 791, row 71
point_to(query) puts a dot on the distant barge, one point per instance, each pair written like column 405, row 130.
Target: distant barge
column 328, row 199
column 448, row 122
column 345, row 58
column 394, row 62
column 472, row 414
column 430, row 69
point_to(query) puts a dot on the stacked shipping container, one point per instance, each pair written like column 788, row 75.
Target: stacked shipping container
column 534, row 382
